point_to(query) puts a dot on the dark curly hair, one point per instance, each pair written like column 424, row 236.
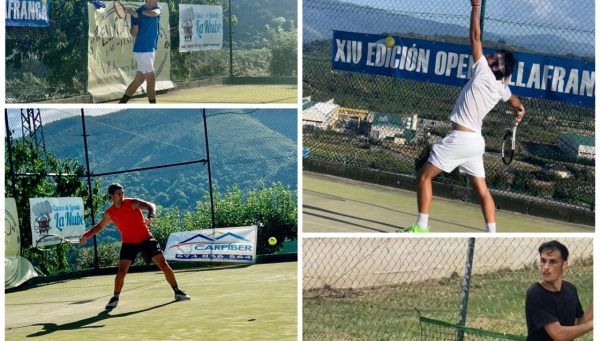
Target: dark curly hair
column 509, row 64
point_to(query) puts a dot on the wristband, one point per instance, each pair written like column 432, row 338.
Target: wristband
column 150, row 215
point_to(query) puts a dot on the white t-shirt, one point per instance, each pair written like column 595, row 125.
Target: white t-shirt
column 479, row 96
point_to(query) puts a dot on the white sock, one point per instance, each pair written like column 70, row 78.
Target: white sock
column 422, row 220
column 491, row 227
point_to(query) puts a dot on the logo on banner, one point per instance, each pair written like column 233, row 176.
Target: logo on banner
column 188, row 30
column 42, row 212
column 224, row 242
column 33, row 13
column 230, row 244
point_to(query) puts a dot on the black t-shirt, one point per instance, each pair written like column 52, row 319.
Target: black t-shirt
column 543, row 307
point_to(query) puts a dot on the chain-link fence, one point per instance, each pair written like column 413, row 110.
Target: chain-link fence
column 162, row 156
column 377, row 288
column 358, row 120
column 48, row 63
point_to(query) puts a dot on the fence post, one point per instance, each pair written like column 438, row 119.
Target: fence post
column 212, row 204
column 481, row 15
column 89, row 183
column 11, row 166
column 230, row 48
column 85, row 48
column 465, row 287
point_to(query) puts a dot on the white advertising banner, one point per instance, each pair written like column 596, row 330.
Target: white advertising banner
column 12, row 232
column 111, row 66
column 200, row 27
column 226, row 244
column 60, row 216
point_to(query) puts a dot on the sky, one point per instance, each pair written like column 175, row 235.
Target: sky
column 50, row 115
column 563, row 16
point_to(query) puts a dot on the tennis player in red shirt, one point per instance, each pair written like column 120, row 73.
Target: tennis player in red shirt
column 126, row 214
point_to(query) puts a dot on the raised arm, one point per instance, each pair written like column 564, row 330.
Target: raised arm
column 475, row 32
column 97, row 228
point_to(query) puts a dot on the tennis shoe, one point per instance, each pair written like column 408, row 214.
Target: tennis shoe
column 181, row 296
column 414, row 229
column 112, row 304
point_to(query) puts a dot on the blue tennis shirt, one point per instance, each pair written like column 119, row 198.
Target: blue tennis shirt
column 148, row 27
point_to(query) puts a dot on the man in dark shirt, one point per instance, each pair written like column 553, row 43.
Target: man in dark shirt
column 552, row 307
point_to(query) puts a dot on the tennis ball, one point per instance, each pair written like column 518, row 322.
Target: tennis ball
column 390, row 41
column 272, row 241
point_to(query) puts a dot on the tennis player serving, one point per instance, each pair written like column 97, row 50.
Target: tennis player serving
column 145, row 25
column 126, row 214
column 464, row 146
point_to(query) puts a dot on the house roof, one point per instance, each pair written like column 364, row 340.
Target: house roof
column 579, row 139
column 319, row 112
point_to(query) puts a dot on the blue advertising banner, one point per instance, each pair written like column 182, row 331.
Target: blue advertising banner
column 32, row 13
column 548, row 77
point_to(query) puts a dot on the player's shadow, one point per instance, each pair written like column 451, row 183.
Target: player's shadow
column 48, row 328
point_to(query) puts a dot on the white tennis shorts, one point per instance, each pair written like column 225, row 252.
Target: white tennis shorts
column 145, row 61
column 459, row 149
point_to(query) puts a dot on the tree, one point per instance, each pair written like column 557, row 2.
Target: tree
column 272, row 209
column 61, row 47
column 284, row 50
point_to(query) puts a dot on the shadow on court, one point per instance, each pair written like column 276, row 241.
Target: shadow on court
column 383, row 226
column 49, row 328
column 333, row 204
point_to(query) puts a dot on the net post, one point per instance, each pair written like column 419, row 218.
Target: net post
column 212, row 204
column 89, row 183
column 481, row 20
column 230, row 42
column 10, row 158
column 466, row 285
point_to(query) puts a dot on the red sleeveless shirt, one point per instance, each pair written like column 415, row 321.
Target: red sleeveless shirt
column 130, row 222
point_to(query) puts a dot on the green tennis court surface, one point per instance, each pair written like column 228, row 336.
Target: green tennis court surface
column 236, row 303
column 332, row 204
column 227, row 94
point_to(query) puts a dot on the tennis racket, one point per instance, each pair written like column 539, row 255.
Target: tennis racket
column 49, row 241
column 508, row 145
column 120, row 9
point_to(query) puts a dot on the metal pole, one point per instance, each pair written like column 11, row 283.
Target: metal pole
column 465, row 287
column 85, row 49
column 230, row 44
column 481, row 15
column 11, row 165
column 212, row 204
column 89, row 182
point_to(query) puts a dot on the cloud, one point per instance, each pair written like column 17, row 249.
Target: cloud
column 564, row 13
